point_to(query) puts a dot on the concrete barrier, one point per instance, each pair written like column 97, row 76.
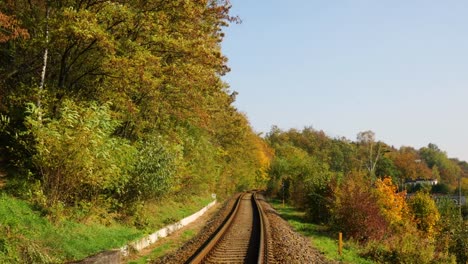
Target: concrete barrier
column 113, row 256
column 163, row 232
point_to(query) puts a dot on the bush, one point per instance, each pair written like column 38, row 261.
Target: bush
column 392, row 203
column 440, row 188
column 459, row 246
column 464, row 210
column 425, row 212
column 77, row 155
column 406, row 247
column 320, row 199
column 154, row 170
column 356, row 211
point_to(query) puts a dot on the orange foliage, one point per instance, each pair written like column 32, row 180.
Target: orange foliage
column 9, row 29
column 392, row 203
column 356, row 210
column 409, row 163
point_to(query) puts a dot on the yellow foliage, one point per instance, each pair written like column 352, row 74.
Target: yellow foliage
column 392, row 203
column 264, row 154
column 426, row 214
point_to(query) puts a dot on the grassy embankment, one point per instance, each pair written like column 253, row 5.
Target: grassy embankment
column 322, row 239
column 169, row 244
column 172, row 244
column 25, row 235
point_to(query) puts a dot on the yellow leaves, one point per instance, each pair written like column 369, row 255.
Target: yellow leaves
column 392, row 204
column 264, row 154
column 84, row 25
column 426, row 214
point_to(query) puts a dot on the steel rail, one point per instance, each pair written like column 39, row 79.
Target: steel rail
column 219, row 234
column 260, row 232
column 264, row 236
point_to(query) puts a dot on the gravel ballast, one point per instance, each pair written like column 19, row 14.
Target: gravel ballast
column 285, row 245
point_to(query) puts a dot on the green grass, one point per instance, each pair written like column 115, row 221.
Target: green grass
column 162, row 213
column 24, row 230
column 166, row 212
column 324, row 240
column 169, row 246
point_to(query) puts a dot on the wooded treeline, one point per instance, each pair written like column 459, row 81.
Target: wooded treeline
column 106, row 105
column 357, row 187
column 113, row 103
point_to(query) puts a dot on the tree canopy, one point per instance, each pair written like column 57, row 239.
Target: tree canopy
column 119, row 102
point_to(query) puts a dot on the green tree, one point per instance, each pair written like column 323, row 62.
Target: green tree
column 425, row 212
column 448, row 170
column 77, row 156
column 451, row 239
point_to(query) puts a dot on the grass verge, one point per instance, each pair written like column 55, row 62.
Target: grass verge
column 159, row 214
column 322, row 239
column 170, row 244
column 26, row 236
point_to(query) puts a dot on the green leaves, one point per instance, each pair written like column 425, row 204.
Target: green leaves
column 160, row 64
column 426, row 214
column 154, row 171
column 77, row 155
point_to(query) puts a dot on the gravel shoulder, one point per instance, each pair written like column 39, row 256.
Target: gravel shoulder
column 189, row 248
column 285, row 245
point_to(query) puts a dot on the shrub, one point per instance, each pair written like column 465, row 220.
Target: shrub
column 77, row 155
column 392, row 204
column 425, row 212
column 441, row 188
column 356, row 211
column 459, row 246
column 154, row 170
column 405, row 247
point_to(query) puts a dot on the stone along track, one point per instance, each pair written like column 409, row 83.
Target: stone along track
column 240, row 239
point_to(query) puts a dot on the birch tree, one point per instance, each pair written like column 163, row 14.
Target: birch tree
column 372, row 151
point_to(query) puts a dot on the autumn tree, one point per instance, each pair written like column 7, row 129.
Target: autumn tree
column 10, row 29
column 156, row 66
column 356, row 210
column 410, row 164
column 391, row 202
column 425, row 212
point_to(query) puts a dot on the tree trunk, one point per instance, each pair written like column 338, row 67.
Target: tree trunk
column 44, row 66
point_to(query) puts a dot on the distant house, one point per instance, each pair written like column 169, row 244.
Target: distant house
column 421, row 182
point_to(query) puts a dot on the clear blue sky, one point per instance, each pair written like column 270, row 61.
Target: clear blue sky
column 398, row 68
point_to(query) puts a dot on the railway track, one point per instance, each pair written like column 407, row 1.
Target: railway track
column 241, row 238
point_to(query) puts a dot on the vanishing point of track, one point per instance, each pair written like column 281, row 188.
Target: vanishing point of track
column 241, row 238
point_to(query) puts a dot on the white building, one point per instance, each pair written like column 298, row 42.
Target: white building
column 422, row 181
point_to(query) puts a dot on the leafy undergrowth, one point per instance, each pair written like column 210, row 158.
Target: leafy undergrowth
column 26, row 236
column 324, row 240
